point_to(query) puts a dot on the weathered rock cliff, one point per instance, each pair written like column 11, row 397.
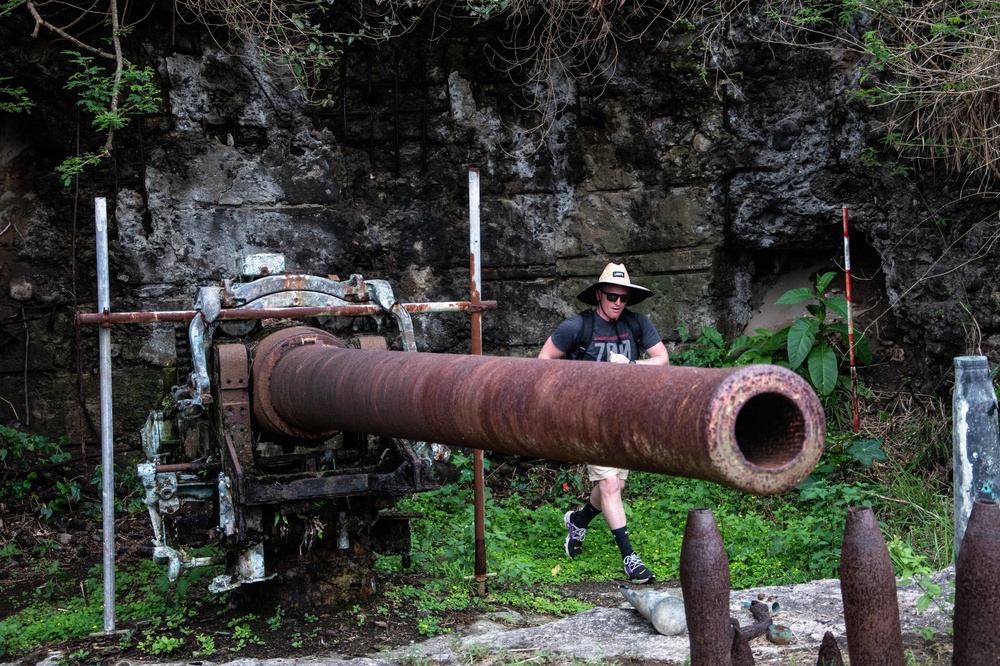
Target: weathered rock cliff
column 707, row 192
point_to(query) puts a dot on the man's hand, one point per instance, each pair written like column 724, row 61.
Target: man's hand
column 618, row 358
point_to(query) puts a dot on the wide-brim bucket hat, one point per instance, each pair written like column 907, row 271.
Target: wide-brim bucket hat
column 617, row 275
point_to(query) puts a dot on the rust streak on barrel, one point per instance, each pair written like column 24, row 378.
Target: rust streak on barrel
column 757, row 428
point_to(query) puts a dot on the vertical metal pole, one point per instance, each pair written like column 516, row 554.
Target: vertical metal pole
column 475, row 261
column 107, row 428
column 475, row 270
column 975, row 440
column 850, row 323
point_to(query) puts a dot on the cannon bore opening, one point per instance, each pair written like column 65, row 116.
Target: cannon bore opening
column 770, row 429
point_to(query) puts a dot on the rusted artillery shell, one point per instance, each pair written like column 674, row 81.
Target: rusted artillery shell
column 829, row 652
column 705, row 582
column 757, row 428
column 977, row 588
column 868, row 588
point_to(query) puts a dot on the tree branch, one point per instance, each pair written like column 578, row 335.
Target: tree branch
column 42, row 23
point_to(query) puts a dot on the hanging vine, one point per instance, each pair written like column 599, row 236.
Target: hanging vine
column 933, row 66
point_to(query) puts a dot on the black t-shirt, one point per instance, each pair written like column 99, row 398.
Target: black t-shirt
column 609, row 336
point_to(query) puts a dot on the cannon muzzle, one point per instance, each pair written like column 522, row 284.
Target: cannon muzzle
column 757, row 428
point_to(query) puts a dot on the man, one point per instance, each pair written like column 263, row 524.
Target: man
column 615, row 335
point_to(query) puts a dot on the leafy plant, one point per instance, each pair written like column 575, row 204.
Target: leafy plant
column 933, row 595
column 483, row 10
column 906, row 562
column 111, row 99
column 21, row 103
column 814, row 345
column 134, row 89
column 430, row 625
column 159, row 644
column 274, row 622
column 21, row 455
column 710, row 349
column 206, row 645
column 812, row 340
column 243, row 633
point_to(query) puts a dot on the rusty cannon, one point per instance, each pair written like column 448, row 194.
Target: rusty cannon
column 756, row 428
column 299, row 429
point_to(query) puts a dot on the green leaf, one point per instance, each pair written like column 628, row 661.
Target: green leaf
column 794, row 296
column 713, row 335
column 823, row 369
column 838, row 304
column 742, row 342
column 867, row 451
column 801, row 337
column 752, row 356
column 823, row 281
column 862, row 349
column 775, row 341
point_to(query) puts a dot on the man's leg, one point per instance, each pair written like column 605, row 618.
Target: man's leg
column 609, row 493
column 576, row 522
column 607, row 498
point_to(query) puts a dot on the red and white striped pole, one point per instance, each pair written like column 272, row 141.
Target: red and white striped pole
column 850, row 322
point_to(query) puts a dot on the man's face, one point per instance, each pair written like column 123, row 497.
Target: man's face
column 618, row 294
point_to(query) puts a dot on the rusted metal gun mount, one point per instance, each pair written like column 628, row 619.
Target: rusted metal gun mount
column 321, row 500
column 264, row 296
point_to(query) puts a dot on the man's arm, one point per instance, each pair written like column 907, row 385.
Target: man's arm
column 657, row 355
column 549, row 350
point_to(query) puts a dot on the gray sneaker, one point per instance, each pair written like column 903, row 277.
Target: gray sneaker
column 574, row 540
column 636, row 570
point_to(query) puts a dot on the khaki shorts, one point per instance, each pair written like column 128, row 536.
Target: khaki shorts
column 598, row 473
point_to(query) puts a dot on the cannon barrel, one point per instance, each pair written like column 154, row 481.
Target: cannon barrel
column 756, row 428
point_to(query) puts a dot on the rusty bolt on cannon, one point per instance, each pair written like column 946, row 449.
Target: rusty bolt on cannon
column 757, row 428
column 977, row 589
column 868, row 589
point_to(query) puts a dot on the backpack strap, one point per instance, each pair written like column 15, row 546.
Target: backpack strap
column 635, row 329
column 584, row 337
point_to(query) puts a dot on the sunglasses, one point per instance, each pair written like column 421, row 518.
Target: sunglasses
column 613, row 298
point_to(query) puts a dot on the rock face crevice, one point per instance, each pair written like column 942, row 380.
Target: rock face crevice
column 711, row 194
